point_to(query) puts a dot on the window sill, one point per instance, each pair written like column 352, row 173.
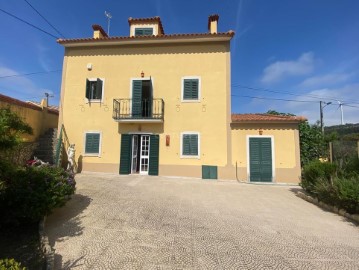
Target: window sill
column 189, row 157
column 93, row 101
column 91, row 155
column 190, row 100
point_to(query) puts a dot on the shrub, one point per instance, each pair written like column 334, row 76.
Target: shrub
column 315, row 171
column 30, row 193
column 347, row 190
column 350, row 168
column 10, row 264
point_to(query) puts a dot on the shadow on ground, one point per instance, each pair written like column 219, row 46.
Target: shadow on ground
column 65, row 222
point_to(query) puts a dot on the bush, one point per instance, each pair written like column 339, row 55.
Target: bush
column 10, row 264
column 350, row 168
column 347, row 191
column 317, row 171
column 28, row 194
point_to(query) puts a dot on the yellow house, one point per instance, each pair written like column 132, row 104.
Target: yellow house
column 154, row 103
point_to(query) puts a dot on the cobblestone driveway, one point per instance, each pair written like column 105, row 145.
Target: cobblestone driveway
column 137, row 222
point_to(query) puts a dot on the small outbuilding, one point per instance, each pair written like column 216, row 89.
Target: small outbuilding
column 265, row 147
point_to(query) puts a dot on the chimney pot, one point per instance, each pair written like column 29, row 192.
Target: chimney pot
column 213, row 23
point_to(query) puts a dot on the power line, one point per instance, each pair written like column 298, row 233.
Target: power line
column 28, row 74
column 290, row 100
column 281, row 99
column 290, row 93
column 53, row 27
column 30, row 24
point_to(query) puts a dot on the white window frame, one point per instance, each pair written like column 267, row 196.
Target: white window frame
column 198, row 156
column 99, row 147
column 273, row 155
column 103, row 91
column 153, row 26
column 199, row 89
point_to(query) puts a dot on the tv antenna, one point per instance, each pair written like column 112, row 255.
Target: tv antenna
column 47, row 95
column 109, row 17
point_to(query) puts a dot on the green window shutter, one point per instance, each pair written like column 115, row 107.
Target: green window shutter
column 194, row 144
column 154, row 155
column 190, row 145
column 136, row 98
column 125, row 158
column 98, row 91
column 266, row 160
column 186, row 146
column 88, row 88
column 92, row 145
column 190, row 89
column 143, row 31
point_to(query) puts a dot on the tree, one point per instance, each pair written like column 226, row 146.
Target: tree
column 11, row 129
column 312, row 142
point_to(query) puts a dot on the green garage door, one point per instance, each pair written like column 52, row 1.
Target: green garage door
column 260, row 159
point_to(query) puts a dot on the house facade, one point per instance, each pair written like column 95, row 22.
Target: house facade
column 150, row 102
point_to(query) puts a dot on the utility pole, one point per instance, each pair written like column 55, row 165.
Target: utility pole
column 321, row 113
column 109, row 17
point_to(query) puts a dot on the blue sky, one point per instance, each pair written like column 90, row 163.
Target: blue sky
column 288, row 50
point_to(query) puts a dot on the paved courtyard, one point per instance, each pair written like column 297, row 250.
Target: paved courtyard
column 138, row 222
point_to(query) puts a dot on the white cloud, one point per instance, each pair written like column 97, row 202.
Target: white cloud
column 17, row 87
column 282, row 69
column 326, row 80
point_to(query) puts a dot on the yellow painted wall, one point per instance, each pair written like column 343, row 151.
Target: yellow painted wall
column 166, row 65
column 286, row 149
column 40, row 120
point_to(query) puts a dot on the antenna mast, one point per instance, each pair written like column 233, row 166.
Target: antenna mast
column 109, row 17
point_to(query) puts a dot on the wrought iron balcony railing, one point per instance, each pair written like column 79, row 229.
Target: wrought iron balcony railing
column 126, row 109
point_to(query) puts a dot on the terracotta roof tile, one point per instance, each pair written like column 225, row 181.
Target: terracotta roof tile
column 151, row 19
column 125, row 38
column 238, row 118
column 17, row 102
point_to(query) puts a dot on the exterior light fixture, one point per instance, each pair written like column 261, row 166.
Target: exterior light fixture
column 260, row 131
column 142, row 74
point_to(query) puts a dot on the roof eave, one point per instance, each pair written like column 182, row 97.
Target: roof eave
column 147, row 40
column 267, row 122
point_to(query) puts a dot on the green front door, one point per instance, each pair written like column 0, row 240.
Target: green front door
column 260, row 159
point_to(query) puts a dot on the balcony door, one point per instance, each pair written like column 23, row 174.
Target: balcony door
column 141, row 99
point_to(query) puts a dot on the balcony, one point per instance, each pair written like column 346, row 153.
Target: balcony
column 141, row 111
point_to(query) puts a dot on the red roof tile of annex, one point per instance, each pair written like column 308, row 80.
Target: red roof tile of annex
column 257, row 117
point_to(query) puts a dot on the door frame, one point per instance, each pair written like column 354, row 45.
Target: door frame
column 140, row 133
column 273, row 155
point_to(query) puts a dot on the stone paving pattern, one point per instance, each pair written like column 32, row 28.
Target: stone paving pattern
column 141, row 222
